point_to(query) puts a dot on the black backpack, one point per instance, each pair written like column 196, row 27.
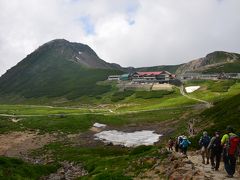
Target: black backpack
column 216, row 145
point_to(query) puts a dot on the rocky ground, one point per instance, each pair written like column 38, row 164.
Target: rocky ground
column 68, row 171
column 180, row 167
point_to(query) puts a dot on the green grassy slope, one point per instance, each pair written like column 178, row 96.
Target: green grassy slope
column 217, row 118
column 227, row 68
column 214, row 91
column 82, row 122
column 226, row 112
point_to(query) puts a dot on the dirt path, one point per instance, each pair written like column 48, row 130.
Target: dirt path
column 208, row 105
column 207, row 171
column 191, row 167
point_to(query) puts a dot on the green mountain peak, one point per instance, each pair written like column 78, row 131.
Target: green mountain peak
column 58, row 68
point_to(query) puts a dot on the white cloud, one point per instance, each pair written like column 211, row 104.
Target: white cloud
column 131, row 33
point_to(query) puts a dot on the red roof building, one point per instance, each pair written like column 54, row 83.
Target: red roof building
column 154, row 73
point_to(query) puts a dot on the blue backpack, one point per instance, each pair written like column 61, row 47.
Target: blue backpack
column 185, row 143
column 205, row 140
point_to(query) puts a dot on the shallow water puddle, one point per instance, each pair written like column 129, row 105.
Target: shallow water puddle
column 131, row 139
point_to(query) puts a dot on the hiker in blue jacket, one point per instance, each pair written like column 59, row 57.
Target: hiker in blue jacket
column 184, row 145
column 179, row 141
column 204, row 142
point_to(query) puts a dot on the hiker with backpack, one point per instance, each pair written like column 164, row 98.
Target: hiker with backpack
column 204, row 142
column 230, row 142
column 170, row 144
column 184, row 145
column 215, row 149
column 178, row 143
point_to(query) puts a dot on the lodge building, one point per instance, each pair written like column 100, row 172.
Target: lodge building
column 145, row 77
column 152, row 77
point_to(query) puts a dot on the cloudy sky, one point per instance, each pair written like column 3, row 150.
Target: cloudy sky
column 129, row 32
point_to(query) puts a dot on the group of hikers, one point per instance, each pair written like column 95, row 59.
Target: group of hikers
column 181, row 144
column 213, row 148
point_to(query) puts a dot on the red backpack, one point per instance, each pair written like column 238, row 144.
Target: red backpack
column 233, row 146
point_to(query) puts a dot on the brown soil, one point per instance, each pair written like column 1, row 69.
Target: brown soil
column 18, row 144
column 156, row 87
column 164, row 127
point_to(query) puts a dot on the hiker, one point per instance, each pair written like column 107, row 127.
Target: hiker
column 170, row 144
column 204, row 142
column 184, row 145
column 215, row 149
column 230, row 142
column 176, row 145
column 179, row 141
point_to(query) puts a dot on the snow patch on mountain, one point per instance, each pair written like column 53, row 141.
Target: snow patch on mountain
column 98, row 125
column 191, row 89
column 131, row 139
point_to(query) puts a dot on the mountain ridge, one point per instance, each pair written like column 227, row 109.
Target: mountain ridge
column 215, row 60
column 80, row 53
column 53, row 70
column 88, row 58
column 60, row 68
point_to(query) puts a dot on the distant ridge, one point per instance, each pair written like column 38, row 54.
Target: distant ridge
column 216, row 62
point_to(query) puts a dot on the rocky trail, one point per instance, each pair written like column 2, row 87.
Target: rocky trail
column 180, row 167
column 207, row 171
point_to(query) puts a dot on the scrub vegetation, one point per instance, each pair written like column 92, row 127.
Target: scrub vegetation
column 12, row 168
column 109, row 162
